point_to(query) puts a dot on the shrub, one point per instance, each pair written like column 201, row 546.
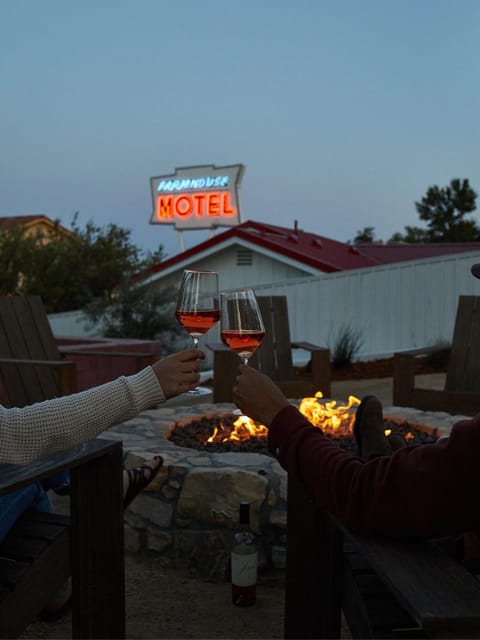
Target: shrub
column 345, row 346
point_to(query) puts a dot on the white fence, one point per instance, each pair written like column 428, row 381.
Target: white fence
column 393, row 308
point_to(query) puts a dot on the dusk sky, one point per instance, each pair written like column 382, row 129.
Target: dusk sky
column 343, row 112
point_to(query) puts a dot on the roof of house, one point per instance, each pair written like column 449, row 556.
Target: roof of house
column 317, row 252
column 314, row 251
column 399, row 252
column 29, row 221
column 8, row 221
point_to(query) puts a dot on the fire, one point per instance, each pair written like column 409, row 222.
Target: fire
column 328, row 416
column 244, row 428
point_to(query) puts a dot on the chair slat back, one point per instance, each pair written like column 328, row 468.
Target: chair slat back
column 25, row 334
column 463, row 372
column 274, row 356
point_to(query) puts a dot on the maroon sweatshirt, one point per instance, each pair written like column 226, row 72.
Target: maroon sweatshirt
column 429, row 490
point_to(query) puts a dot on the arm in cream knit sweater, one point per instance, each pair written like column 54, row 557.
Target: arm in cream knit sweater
column 44, row 428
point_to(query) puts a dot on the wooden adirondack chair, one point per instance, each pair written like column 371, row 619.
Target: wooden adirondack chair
column 461, row 394
column 385, row 589
column 274, row 358
column 32, row 367
column 43, row 549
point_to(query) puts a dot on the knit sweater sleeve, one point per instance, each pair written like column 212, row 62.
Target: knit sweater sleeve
column 44, row 428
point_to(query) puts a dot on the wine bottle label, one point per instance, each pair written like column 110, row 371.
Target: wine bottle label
column 244, row 569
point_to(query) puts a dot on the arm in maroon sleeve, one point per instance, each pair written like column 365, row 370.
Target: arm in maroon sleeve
column 426, row 490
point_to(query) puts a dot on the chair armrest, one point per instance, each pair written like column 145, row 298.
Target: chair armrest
column 15, row 476
column 319, row 366
column 437, row 591
column 37, row 363
column 404, row 364
column 67, row 371
column 308, row 346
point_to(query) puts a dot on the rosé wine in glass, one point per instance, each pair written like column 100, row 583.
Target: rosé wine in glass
column 197, row 307
column 242, row 327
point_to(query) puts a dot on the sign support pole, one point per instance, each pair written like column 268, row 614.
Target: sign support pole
column 180, row 240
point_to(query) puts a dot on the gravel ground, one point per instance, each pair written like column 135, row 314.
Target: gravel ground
column 166, row 603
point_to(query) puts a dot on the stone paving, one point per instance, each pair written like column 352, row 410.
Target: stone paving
column 188, row 514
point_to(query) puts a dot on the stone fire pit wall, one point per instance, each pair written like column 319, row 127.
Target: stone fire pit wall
column 190, row 511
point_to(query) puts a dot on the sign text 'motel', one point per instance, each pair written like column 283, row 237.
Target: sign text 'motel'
column 198, row 197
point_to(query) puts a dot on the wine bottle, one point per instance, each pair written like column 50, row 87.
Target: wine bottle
column 244, row 561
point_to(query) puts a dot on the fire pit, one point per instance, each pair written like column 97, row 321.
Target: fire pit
column 188, row 516
column 228, row 432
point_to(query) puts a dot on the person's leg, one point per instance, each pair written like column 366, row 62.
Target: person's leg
column 60, row 483
column 369, row 431
column 372, row 442
column 138, row 478
column 12, row 505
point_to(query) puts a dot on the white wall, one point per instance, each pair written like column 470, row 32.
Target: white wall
column 72, row 324
column 395, row 307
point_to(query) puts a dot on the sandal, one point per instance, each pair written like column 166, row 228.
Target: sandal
column 139, row 478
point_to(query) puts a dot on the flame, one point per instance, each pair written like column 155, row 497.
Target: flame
column 243, row 429
column 328, row 416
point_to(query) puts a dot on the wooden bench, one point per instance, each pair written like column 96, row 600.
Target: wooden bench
column 42, row 549
column 384, row 589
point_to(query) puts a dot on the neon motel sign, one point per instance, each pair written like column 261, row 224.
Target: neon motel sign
column 200, row 197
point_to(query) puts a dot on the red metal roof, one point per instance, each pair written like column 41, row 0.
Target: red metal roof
column 399, row 252
column 321, row 253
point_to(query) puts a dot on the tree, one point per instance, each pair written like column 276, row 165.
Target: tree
column 412, row 235
column 15, row 253
column 68, row 272
column 444, row 210
column 367, row 234
column 140, row 313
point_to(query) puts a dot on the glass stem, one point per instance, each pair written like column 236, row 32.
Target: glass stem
column 195, row 342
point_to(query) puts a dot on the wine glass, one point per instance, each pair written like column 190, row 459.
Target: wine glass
column 197, row 307
column 242, row 327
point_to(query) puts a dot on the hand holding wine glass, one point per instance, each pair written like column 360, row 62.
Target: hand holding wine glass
column 241, row 322
column 197, row 307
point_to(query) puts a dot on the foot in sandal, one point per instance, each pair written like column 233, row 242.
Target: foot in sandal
column 137, row 479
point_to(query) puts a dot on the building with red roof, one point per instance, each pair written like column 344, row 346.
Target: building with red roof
column 255, row 253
